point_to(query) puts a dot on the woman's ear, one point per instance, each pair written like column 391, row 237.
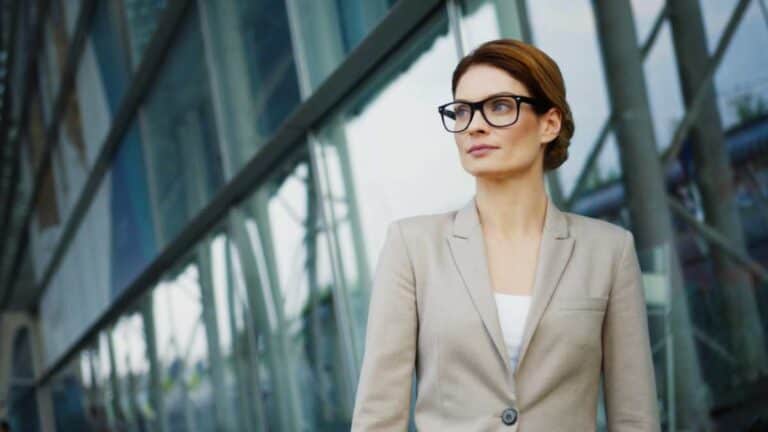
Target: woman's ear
column 550, row 124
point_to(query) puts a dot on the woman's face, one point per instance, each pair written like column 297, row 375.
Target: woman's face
column 518, row 148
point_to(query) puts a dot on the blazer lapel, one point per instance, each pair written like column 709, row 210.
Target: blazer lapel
column 468, row 248
column 554, row 253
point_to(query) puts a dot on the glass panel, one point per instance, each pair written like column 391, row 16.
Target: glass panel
column 45, row 225
column 80, row 288
column 175, row 121
column 133, row 239
column 178, row 137
column 741, row 81
column 603, row 188
column 557, row 34
column 52, row 58
column 72, row 156
column 22, row 408
column 18, row 69
column 718, row 183
column 645, row 13
column 242, row 357
column 655, row 265
column 23, row 197
column 248, row 53
column 107, row 44
column 664, row 93
column 96, row 372
column 89, row 101
column 183, row 352
column 302, row 333
column 69, row 399
column 113, row 244
column 21, row 396
column 390, row 126
column 71, row 10
column 141, row 19
column 132, row 372
column 479, row 23
column 325, row 32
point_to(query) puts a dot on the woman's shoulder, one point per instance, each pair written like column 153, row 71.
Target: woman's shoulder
column 426, row 226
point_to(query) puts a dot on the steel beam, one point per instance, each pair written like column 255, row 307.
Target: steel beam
column 644, row 181
column 714, row 177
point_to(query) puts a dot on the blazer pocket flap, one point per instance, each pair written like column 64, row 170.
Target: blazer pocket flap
column 583, row 303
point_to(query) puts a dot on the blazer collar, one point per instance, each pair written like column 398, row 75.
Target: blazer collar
column 467, row 221
column 468, row 248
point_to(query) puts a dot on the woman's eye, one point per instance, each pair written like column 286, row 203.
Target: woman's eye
column 500, row 106
column 461, row 112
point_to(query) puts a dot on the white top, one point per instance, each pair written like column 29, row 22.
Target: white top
column 512, row 310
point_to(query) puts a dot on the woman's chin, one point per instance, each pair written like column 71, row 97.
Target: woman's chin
column 499, row 172
column 490, row 174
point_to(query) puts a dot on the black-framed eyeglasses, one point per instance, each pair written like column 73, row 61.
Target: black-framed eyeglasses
column 498, row 110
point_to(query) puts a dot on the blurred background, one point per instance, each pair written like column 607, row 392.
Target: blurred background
column 194, row 193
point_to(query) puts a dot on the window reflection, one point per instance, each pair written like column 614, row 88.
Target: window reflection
column 45, row 226
column 250, row 58
column 71, row 10
column 96, row 375
column 290, row 247
column 21, row 394
column 326, row 31
column 582, row 71
column 182, row 352
column 261, row 326
column 72, row 155
column 176, row 137
column 132, row 371
column 373, row 152
column 141, row 19
column 50, row 61
column 480, row 23
column 68, row 399
column 243, row 358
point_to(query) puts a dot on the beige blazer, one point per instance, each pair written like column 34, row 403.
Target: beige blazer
column 432, row 309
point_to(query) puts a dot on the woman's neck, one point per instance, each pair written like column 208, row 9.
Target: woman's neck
column 511, row 208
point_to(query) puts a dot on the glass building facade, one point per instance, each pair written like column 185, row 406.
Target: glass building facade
column 195, row 193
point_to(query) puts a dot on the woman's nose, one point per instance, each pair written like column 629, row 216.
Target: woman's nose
column 478, row 123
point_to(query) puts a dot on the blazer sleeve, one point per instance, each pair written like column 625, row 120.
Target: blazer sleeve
column 383, row 397
column 628, row 373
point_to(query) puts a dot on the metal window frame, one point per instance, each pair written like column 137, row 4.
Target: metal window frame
column 710, row 234
column 27, row 88
column 404, row 19
column 69, row 70
column 140, row 84
column 7, row 137
column 691, row 113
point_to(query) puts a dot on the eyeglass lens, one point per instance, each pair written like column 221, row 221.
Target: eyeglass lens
column 499, row 111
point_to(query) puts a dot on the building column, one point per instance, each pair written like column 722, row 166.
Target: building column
column 147, row 309
column 646, row 193
column 265, row 302
column 714, row 179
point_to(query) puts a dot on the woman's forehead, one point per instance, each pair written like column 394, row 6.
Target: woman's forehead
column 481, row 81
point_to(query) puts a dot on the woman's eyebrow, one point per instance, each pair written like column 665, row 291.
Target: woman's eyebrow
column 503, row 93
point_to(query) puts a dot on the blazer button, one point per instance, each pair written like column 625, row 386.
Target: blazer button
column 509, row 416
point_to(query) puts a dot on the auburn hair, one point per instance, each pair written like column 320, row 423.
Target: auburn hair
column 539, row 74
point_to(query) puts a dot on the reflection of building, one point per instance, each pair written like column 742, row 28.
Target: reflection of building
column 195, row 193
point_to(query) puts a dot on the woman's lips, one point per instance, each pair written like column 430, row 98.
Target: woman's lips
column 481, row 150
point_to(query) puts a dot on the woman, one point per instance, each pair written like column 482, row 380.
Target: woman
column 508, row 309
